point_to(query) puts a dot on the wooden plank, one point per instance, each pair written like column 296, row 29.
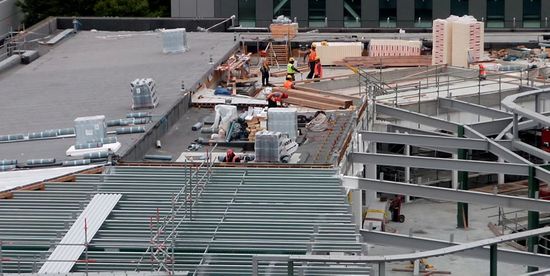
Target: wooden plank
column 311, row 104
column 303, row 88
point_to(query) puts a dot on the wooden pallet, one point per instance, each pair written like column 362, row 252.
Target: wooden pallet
column 411, row 61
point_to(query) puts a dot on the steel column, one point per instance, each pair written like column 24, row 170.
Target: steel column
column 532, row 216
column 462, row 208
column 494, row 260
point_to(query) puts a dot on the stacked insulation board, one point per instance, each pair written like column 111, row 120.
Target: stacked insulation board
column 144, row 93
column 457, row 41
column 393, row 47
column 442, row 40
column 283, row 120
column 174, row 40
column 331, row 53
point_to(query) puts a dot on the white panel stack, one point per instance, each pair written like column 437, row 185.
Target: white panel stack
column 283, row 120
column 394, row 47
column 268, row 146
column 332, row 52
column 442, row 41
column 467, row 41
column 90, row 129
column 457, row 41
column 174, row 40
column 144, row 93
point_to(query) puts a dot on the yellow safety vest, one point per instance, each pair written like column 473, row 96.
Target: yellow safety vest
column 289, row 69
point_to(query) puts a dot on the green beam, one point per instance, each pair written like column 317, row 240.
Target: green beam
column 290, row 268
column 462, row 208
column 494, row 261
column 532, row 217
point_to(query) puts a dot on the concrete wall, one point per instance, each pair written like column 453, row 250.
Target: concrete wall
column 405, row 13
column 478, row 9
column 370, row 14
column 10, row 16
column 299, row 9
column 193, row 8
column 264, row 13
column 335, row 13
column 513, row 9
column 441, row 9
column 545, row 13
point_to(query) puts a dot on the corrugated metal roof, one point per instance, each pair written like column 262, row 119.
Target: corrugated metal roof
column 82, row 231
column 269, row 211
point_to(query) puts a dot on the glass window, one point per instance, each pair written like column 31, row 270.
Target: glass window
column 388, row 13
column 423, row 13
column 247, row 13
column 495, row 13
column 531, row 13
column 281, row 7
column 352, row 13
column 459, row 7
column 317, row 13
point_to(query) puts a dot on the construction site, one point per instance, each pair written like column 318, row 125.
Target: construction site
column 134, row 146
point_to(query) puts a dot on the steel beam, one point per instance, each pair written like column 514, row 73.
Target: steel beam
column 447, row 194
column 421, row 243
column 439, row 163
column 425, row 140
column 496, row 126
column 416, row 117
column 454, row 104
column 509, row 103
column 403, row 129
column 496, row 148
column 521, row 146
column 423, row 254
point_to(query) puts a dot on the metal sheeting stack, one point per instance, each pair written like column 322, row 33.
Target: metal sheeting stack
column 174, row 41
column 284, row 120
column 267, row 146
column 90, row 129
column 144, row 93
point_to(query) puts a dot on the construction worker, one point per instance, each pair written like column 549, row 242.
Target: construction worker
column 264, row 69
column 291, row 69
column 318, row 69
column 275, row 99
column 231, row 157
column 482, row 72
column 289, row 84
column 312, row 54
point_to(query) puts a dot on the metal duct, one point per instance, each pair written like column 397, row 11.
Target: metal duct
column 128, row 130
column 76, row 162
column 138, row 115
column 88, row 145
column 8, row 162
column 96, row 155
column 41, row 161
column 4, row 168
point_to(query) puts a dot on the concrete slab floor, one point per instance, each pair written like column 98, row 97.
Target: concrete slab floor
column 437, row 220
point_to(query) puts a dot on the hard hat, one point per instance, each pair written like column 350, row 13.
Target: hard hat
column 263, row 53
column 288, row 77
column 291, row 59
column 285, row 95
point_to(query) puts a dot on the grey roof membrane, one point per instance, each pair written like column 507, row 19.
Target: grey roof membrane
column 89, row 74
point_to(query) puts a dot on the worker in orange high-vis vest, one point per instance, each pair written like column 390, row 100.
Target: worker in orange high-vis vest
column 275, row 99
column 318, row 69
column 289, row 84
column 482, row 72
column 312, row 56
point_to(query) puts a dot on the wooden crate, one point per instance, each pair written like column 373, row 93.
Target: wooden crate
column 284, row 30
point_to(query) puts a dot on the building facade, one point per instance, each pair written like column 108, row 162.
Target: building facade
column 10, row 16
column 370, row 13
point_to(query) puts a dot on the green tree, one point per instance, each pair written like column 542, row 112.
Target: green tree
column 122, row 8
column 36, row 10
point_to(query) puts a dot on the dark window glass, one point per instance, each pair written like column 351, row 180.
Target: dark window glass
column 423, row 13
column 495, row 13
column 247, row 13
column 460, row 7
column 352, row 13
column 531, row 13
column 388, row 13
column 281, row 7
column 317, row 13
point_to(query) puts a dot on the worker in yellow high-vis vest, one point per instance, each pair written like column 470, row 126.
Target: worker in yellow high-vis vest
column 291, row 69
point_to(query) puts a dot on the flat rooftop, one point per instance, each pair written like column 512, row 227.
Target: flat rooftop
column 89, row 74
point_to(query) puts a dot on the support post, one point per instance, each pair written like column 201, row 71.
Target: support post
column 532, row 217
column 462, row 208
column 290, row 268
column 407, row 171
column 494, row 260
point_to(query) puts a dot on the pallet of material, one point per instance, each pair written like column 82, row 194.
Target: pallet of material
column 315, row 99
column 411, row 61
column 308, row 89
column 284, row 30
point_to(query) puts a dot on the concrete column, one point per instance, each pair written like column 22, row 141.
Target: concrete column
column 335, row 13
column 500, row 175
column 441, row 9
column 357, row 207
column 513, row 9
column 545, row 14
column 264, row 13
column 405, row 13
column 454, row 176
column 370, row 195
column 478, row 9
column 370, row 14
column 299, row 9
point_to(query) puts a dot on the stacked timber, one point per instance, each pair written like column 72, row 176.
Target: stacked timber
column 410, row 61
column 255, row 125
column 317, row 100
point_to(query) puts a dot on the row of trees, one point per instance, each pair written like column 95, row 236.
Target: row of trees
column 36, row 10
